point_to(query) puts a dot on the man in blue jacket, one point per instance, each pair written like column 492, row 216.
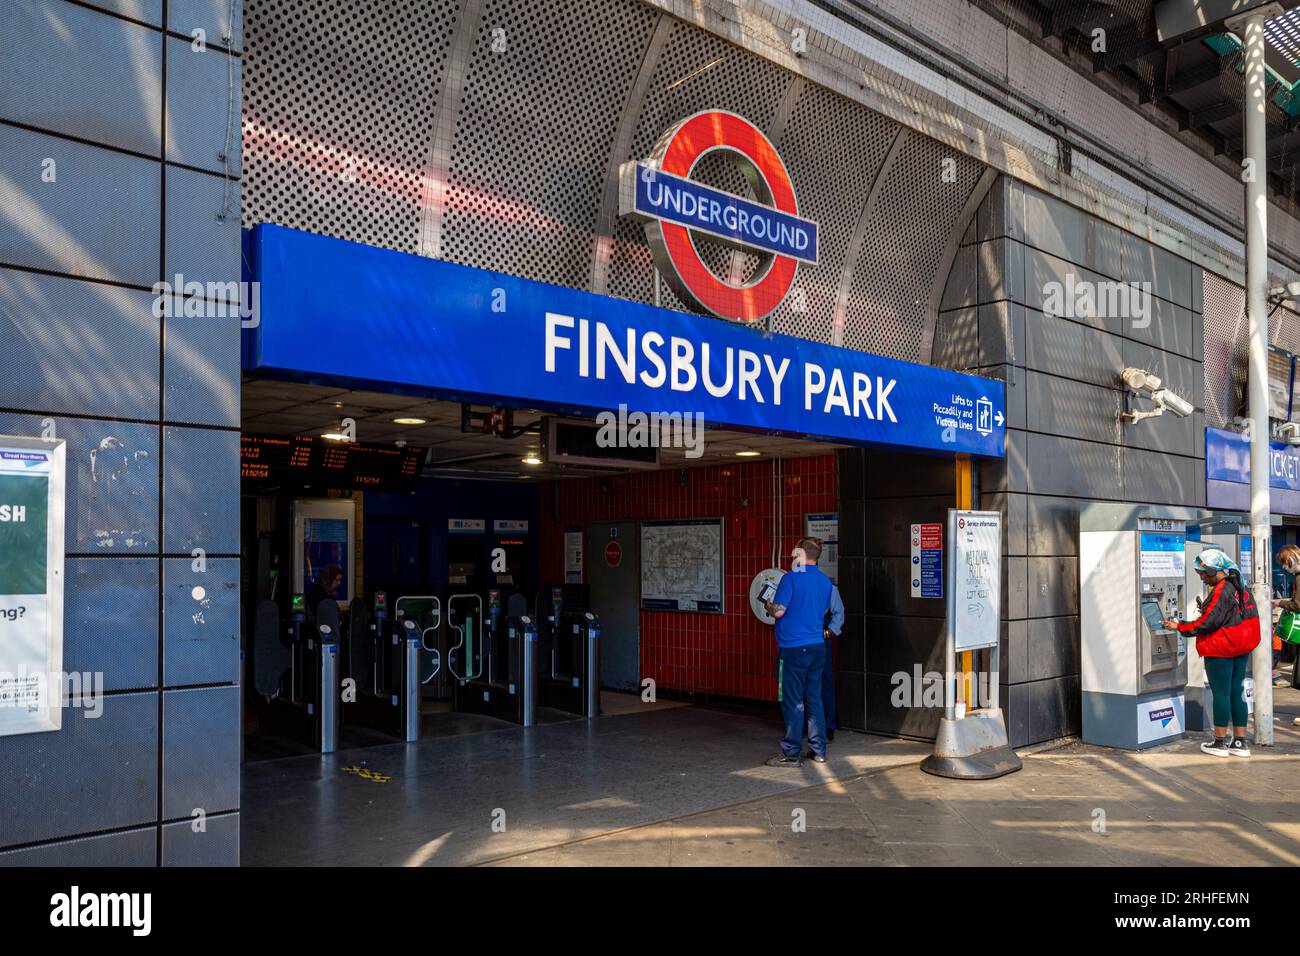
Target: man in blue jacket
column 799, row 607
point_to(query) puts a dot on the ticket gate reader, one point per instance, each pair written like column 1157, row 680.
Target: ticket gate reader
column 569, row 662
column 295, row 673
column 1132, row 578
column 384, row 665
column 497, row 674
column 422, row 613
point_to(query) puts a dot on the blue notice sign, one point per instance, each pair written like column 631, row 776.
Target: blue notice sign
column 420, row 326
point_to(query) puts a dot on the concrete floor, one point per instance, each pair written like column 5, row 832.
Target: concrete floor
column 684, row 786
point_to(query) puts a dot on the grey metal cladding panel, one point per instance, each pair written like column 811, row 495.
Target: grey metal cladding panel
column 1015, row 584
column 202, row 362
column 1169, row 275
column 1013, row 378
column 1015, row 511
column 200, row 751
column 99, row 219
column 95, row 774
column 199, row 245
column 525, row 101
column 149, row 11
column 1016, row 708
column 1167, row 433
column 200, row 622
column 1054, row 708
column 1159, row 478
column 1070, row 409
column 900, row 474
column 76, row 347
column 956, row 339
column 962, row 287
column 1067, row 466
column 221, row 20
column 883, row 717
column 889, row 521
column 895, row 643
column 204, row 89
column 112, row 482
column 1053, row 585
column 1053, row 647
column 1166, row 326
column 216, row 845
column 1072, row 349
column 128, row 848
column 1053, row 525
column 112, row 97
column 1055, row 227
column 1002, row 333
column 1015, row 651
column 110, row 620
column 1009, row 473
column 889, row 591
column 1001, row 270
column 1049, row 278
column 201, row 500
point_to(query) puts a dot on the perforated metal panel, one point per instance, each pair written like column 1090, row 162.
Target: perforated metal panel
column 913, row 216
column 545, row 85
column 340, row 97
column 1226, row 338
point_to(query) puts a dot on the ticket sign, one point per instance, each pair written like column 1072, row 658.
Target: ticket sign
column 31, row 584
column 975, row 570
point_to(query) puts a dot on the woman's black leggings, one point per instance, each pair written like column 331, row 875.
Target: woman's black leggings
column 1228, row 682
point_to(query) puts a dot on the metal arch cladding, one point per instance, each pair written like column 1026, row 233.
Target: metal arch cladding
column 677, row 153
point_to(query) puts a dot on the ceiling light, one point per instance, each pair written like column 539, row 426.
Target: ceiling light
column 409, row 421
column 748, row 454
column 334, row 436
column 531, row 459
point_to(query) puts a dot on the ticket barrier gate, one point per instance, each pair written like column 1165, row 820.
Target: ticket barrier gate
column 569, row 663
column 295, row 673
column 491, row 656
column 384, row 666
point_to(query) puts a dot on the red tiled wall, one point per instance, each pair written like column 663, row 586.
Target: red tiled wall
column 731, row 654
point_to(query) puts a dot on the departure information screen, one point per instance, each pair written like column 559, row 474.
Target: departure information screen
column 305, row 460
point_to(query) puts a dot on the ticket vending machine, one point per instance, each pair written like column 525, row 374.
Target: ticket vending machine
column 1231, row 535
column 1132, row 577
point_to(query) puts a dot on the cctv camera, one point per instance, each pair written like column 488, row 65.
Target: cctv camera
column 1288, row 290
column 1288, row 432
column 1163, row 398
column 1139, row 379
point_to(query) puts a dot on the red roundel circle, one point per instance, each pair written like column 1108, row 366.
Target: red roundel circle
column 613, row 554
column 678, row 152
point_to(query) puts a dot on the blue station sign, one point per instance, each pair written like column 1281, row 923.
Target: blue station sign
column 337, row 312
column 1227, row 473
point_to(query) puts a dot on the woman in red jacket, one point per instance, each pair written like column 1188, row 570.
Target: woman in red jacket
column 1226, row 633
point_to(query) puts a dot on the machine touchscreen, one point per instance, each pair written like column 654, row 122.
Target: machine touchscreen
column 1155, row 620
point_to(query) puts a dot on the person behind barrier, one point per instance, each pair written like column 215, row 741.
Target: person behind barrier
column 833, row 624
column 1226, row 633
column 799, row 607
column 1289, row 559
column 325, row 586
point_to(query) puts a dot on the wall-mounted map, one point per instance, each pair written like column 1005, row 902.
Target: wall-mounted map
column 681, row 565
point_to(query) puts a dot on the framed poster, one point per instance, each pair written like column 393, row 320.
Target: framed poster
column 32, row 486
column 681, row 565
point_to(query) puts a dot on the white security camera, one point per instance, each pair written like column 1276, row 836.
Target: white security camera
column 1141, row 381
column 1288, row 290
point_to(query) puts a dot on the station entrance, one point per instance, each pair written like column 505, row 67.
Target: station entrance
column 451, row 568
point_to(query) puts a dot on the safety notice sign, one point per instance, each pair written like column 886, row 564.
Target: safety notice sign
column 927, row 560
column 31, row 584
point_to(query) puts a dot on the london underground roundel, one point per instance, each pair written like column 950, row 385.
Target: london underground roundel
column 678, row 211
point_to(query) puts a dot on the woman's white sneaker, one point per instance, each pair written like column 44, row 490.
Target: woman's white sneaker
column 1216, row 748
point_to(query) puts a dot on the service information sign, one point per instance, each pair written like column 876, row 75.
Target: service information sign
column 826, row 527
column 927, row 560
column 572, row 555
column 31, row 584
column 975, row 569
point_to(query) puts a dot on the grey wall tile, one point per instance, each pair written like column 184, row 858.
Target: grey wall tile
column 110, row 620
column 217, row 844
column 113, row 97
column 1070, row 409
column 98, row 219
column 93, row 774
column 78, row 347
column 203, row 108
column 1063, row 466
column 128, row 848
column 201, row 495
column 200, row 751
column 1053, row 586
column 202, row 362
column 1053, row 648
column 200, row 246
column 200, row 621
column 211, row 16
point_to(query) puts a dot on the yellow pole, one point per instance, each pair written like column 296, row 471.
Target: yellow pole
column 965, row 686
